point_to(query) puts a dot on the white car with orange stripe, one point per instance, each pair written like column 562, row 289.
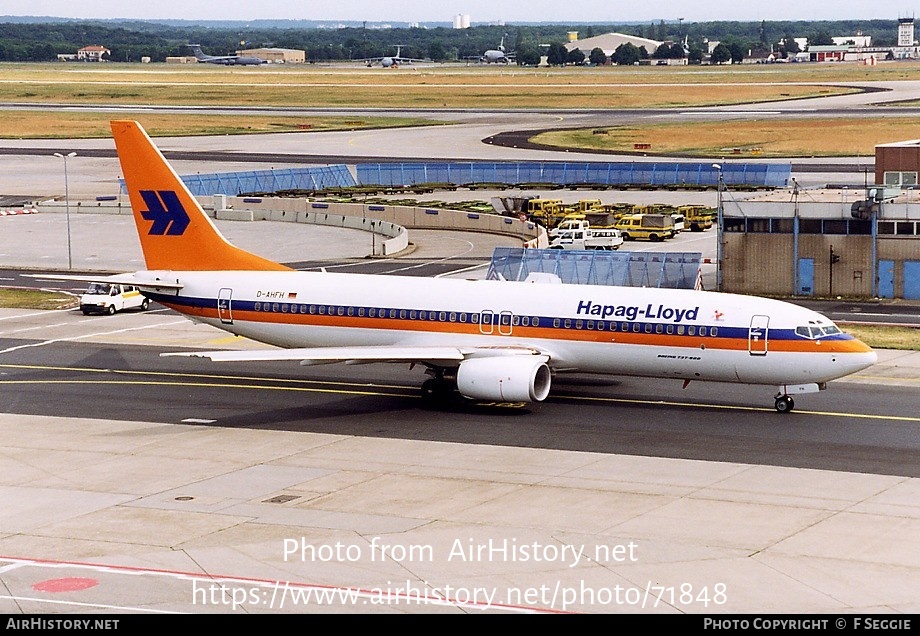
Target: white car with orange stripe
column 110, row 298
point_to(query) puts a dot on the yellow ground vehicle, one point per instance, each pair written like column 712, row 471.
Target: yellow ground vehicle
column 647, row 227
column 546, row 212
column 697, row 218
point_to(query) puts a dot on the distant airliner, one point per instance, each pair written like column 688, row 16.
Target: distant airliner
column 226, row 60
column 497, row 56
column 485, row 340
column 392, row 61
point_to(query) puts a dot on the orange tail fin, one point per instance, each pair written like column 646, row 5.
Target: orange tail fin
column 174, row 231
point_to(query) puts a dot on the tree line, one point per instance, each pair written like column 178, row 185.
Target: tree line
column 129, row 41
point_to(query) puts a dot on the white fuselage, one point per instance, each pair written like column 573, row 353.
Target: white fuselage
column 685, row 334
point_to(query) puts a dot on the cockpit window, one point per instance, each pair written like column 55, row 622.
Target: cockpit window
column 813, row 333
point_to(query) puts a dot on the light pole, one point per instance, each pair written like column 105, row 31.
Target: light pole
column 67, row 204
column 719, row 229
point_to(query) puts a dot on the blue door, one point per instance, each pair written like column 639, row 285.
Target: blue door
column 912, row 280
column 886, row 279
column 805, row 286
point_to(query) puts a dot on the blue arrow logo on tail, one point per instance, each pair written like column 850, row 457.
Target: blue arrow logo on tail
column 166, row 212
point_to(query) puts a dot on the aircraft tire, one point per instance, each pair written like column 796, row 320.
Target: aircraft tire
column 435, row 390
column 784, row 404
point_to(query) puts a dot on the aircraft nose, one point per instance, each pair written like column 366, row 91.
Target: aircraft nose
column 859, row 360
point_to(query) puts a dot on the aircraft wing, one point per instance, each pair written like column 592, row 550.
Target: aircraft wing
column 443, row 356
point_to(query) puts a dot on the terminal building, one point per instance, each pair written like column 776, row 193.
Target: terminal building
column 856, row 242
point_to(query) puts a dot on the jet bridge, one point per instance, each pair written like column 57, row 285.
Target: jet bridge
column 674, row 270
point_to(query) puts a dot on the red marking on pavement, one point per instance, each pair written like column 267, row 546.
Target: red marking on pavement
column 69, row 584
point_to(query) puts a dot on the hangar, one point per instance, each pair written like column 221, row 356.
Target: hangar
column 608, row 42
column 276, row 56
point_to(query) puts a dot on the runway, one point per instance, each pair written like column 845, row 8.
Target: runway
column 135, row 484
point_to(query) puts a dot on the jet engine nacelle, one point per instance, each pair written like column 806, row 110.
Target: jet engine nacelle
column 505, row 378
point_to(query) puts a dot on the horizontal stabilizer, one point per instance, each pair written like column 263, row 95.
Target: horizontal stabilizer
column 143, row 280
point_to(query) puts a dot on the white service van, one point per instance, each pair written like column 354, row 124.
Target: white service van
column 109, row 298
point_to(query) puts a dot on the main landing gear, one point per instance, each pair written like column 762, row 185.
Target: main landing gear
column 438, row 388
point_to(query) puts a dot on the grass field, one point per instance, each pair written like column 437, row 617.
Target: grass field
column 766, row 137
column 458, row 86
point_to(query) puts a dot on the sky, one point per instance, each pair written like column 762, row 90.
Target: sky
column 479, row 11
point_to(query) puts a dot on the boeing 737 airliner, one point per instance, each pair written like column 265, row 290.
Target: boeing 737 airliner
column 488, row 340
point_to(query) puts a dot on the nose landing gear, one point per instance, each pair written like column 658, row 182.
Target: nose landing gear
column 784, row 404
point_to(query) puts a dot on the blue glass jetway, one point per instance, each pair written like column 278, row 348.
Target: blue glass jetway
column 559, row 173
column 675, row 270
column 566, row 173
